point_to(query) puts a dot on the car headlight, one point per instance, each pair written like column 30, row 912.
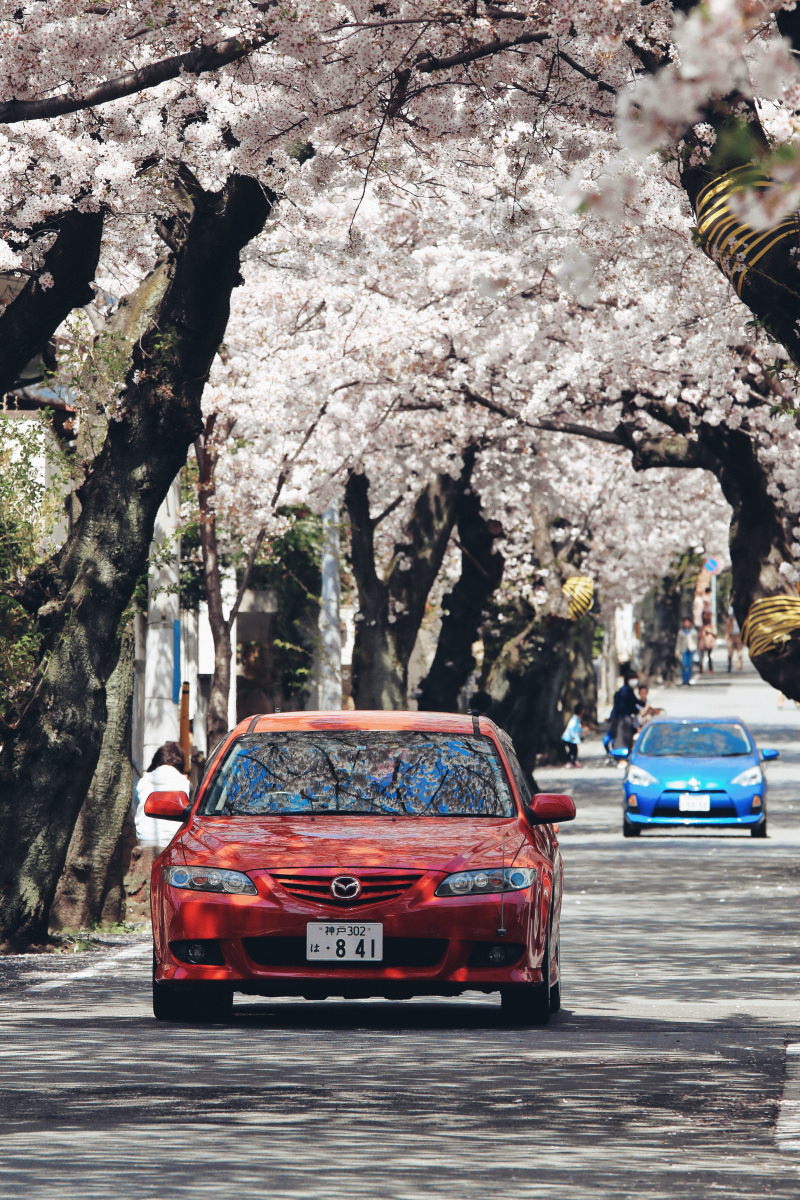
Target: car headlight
column 749, row 778
column 210, row 879
column 486, row 881
column 638, row 777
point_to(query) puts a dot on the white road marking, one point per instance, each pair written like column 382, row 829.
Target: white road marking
column 787, row 1130
column 102, row 968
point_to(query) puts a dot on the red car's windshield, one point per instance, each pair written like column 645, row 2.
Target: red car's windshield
column 359, row 772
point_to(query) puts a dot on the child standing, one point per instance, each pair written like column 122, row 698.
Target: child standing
column 573, row 735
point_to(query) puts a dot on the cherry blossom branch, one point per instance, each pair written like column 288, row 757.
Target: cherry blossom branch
column 193, row 62
column 427, row 64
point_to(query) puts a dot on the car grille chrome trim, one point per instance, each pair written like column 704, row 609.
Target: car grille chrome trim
column 376, row 887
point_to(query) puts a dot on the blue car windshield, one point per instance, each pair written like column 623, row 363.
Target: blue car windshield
column 358, row 772
column 685, row 739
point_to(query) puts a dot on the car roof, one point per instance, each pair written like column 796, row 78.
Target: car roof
column 378, row 719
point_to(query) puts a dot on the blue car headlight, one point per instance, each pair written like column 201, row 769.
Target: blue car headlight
column 752, row 777
column 486, row 881
column 210, row 879
column 638, row 777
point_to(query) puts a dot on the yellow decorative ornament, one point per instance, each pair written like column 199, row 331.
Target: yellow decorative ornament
column 770, row 624
column 734, row 246
column 579, row 591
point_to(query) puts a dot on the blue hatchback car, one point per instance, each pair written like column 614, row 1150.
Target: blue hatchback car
column 696, row 771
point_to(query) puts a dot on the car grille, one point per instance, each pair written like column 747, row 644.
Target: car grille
column 397, row 952
column 376, row 887
column 721, row 806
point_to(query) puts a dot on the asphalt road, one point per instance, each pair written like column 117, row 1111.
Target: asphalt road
column 662, row 1077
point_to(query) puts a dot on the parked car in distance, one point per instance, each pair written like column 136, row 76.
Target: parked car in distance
column 359, row 854
column 695, row 771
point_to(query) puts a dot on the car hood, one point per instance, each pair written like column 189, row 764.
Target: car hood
column 692, row 774
column 284, row 843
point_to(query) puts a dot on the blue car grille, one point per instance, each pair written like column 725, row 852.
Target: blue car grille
column 667, row 805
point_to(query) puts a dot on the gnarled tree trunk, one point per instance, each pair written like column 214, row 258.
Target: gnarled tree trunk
column 79, row 595
column 391, row 608
column 463, row 607
column 90, row 890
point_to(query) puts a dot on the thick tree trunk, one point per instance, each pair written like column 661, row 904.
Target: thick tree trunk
column 463, row 607
column 90, row 890
column 536, row 680
column 391, row 609
column 79, row 595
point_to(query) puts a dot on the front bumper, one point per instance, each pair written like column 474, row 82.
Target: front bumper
column 432, row 945
column 732, row 807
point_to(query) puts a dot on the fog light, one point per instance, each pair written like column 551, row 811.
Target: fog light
column 205, row 953
column 756, row 802
column 497, row 955
column 633, row 801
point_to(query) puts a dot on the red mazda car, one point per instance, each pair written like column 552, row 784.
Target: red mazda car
column 359, row 854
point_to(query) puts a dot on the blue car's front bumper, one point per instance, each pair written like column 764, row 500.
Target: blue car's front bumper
column 735, row 806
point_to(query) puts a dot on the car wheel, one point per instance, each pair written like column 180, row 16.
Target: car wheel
column 191, row 1002
column 528, row 1003
column 759, row 830
column 629, row 830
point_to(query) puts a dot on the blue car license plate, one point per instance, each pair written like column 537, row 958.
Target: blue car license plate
column 692, row 802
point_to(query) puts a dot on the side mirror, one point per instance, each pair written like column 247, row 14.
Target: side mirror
column 769, row 755
column 620, row 752
column 168, row 806
column 549, row 808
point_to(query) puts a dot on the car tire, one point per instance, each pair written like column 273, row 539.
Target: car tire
column 629, row 830
column 193, row 1003
column 529, row 1003
column 759, row 831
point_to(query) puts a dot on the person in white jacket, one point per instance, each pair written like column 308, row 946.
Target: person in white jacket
column 165, row 774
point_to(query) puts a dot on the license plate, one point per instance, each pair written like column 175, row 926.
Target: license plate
column 691, row 802
column 344, row 941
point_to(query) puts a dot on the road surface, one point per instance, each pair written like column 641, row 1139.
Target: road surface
column 663, row 1076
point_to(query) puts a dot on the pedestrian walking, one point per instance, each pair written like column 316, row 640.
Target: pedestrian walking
column 165, row 774
column 573, row 736
column 733, row 639
column 707, row 642
column 685, row 648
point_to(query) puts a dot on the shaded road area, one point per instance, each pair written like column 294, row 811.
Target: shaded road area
column 662, row 1077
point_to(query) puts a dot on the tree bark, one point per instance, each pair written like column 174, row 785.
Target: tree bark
column 463, row 607
column 79, row 595
column 535, row 681
column 35, row 313
column 391, row 609
column 90, row 890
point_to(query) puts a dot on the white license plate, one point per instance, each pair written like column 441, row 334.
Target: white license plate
column 344, row 941
column 691, row 802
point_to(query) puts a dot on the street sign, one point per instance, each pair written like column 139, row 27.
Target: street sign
column 712, row 566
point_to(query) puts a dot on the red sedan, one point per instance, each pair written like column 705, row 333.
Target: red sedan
column 359, row 854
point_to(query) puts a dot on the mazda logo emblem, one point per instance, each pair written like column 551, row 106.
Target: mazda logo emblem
column 345, row 887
